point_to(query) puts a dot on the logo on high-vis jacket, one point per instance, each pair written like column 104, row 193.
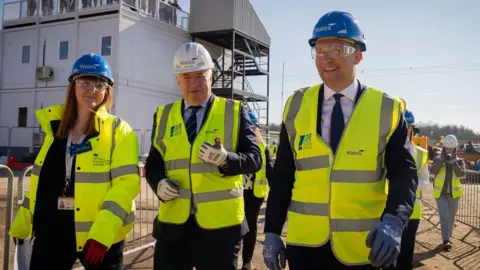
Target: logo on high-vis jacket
column 175, row 130
column 355, row 153
column 305, row 141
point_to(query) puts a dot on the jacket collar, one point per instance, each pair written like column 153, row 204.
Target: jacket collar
column 50, row 117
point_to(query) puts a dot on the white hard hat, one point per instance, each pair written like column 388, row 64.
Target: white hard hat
column 191, row 57
column 450, row 141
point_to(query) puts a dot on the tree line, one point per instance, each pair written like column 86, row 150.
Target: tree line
column 434, row 131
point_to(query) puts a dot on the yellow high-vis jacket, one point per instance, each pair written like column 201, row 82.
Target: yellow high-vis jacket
column 107, row 180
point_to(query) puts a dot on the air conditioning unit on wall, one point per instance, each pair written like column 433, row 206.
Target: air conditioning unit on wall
column 44, row 73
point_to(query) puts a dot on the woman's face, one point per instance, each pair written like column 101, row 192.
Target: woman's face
column 90, row 91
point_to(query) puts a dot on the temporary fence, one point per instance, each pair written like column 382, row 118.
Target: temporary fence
column 469, row 205
column 9, row 215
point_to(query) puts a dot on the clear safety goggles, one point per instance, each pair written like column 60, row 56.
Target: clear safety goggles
column 89, row 85
column 333, row 52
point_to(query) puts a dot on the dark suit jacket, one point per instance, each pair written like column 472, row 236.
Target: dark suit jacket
column 401, row 173
column 246, row 160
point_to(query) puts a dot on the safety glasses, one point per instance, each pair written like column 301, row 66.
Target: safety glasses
column 333, row 52
column 89, row 85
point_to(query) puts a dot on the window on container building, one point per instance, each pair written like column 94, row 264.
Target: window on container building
column 107, row 46
column 22, row 116
column 26, row 54
column 63, row 53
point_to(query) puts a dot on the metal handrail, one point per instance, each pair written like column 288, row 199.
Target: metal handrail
column 20, row 192
column 9, row 216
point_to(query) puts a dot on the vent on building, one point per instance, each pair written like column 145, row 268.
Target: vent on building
column 44, row 73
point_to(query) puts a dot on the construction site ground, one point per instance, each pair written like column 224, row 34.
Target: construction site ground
column 428, row 252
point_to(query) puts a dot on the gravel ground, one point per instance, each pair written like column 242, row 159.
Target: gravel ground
column 428, row 254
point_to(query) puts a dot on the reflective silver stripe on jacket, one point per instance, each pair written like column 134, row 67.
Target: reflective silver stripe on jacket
column 96, row 178
column 339, row 176
column 200, row 168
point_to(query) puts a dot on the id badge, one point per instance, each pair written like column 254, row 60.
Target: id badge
column 65, row 203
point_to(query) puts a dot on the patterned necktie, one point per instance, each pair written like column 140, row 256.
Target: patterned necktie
column 337, row 124
column 191, row 124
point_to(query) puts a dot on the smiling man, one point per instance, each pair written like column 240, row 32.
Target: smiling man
column 339, row 141
column 201, row 147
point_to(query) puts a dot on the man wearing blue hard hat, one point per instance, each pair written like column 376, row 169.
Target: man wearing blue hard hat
column 339, row 141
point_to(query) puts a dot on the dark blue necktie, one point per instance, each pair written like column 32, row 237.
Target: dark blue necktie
column 337, row 124
column 191, row 123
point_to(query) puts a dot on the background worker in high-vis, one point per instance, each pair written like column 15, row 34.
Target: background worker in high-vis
column 405, row 259
column 201, row 147
column 329, row 175
column 449, row 171
column 85, row 177
column 255, row 190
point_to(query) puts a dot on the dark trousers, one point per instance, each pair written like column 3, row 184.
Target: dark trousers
column 405, row 259
column 60, row 254
column 194, row 249
column 317, row 258
column 252, row 209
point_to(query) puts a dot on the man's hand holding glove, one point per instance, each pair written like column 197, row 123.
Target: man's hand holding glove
column 167, row 189
column 385, row 240
column 274, row 252
column 214, row 154
column 95, row 252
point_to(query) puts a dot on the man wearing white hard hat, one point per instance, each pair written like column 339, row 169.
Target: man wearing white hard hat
column 201, row 147
column 447, row 187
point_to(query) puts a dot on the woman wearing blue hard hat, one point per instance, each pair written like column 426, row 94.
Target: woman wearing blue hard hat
column 84, row 180
column 254, row 193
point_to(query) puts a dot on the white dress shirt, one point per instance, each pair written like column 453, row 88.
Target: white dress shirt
column 346, row 102
column 187, row 111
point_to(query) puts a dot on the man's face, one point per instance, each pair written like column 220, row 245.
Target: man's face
column 336, row 60
column 196, row 86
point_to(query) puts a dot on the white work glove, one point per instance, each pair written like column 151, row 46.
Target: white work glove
column 167, row 190
column 214, row 154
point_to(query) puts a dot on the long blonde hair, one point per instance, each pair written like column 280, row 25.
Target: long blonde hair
column 69, row 116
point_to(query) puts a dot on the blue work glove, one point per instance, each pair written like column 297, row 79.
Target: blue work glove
column 272, row 248
column 385, row 240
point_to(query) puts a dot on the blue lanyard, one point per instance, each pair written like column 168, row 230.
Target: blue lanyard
column 69, row 157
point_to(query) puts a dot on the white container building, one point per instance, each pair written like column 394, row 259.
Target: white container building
column 41, row 39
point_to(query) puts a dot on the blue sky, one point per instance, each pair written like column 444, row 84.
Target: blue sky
column 430, row 47
column 424, row 51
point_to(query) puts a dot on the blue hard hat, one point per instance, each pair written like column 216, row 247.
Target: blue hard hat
column 253, row 118
column 92, row 64
column 409, row 117
column 338, row 24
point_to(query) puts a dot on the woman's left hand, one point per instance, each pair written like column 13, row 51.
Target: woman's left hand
column 95, row 251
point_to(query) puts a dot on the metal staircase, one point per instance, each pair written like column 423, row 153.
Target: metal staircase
column 223, row 80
